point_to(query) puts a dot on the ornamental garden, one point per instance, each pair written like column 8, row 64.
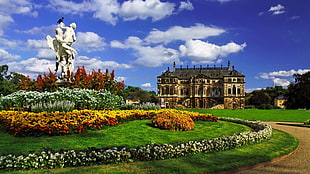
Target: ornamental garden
column 85, row 103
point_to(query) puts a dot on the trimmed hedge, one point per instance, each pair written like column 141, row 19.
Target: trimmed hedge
column 49, row 158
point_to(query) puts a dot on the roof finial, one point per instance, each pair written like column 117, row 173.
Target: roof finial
column 173, row 66
column 228, row 65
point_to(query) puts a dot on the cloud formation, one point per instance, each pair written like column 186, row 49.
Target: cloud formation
column 205, row 52
column 276, row 10
column 282, row 78
column 146, row 85
column 198, row 31
column 7, row 57
column 153, row 51
column 111, row 11
column 8, row 8
column 89, row 42
column 96, row 63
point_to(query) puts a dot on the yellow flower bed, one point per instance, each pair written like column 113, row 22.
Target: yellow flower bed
column 22, row 123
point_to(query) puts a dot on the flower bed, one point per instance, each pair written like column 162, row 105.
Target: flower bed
column 21, row 123
column 173, row 122
column 82, row 99
column 49, row 158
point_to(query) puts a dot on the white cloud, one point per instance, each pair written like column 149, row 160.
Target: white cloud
column 18, row 7
column 205, row 52
column 95, row 63
column 106, row 10
column 155, row 56
column 111, row 10
column 9, row 43
column 289, row 73
column 8, row 8
column 151, row 52
column 186, row 5
column 276, row 10
column 199, row 31
column 4, row 22
column 252, row 89
column 148, row 56
column 32, row 66
column 89, row 42
column 37, row 44
column 281, row 82
column 70, row 7
column 120, row 79
column 46, row 54
column 146, row 85
column 43, row 30
column 141, row 9
column 131, row 42
column 7, row 57
column 282, row 78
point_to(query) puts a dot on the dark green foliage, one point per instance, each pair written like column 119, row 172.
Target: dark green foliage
column 259, row 98
column 298, row 95
column 9, row 83
column 138, row 94
column 264, row 98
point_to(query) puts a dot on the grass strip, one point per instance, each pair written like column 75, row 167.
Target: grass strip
column 262, row 115
column 195, row 163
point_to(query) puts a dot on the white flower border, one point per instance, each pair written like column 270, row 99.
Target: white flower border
column 49, row 158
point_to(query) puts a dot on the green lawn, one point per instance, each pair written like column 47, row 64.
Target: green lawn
column 195, row 163
column 131, row 134
column 263, row 115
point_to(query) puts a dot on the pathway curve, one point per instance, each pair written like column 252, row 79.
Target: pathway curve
column 296, row 163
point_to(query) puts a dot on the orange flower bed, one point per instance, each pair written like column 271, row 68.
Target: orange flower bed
column 173, row 122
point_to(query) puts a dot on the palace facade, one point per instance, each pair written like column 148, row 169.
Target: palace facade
column 201, row 87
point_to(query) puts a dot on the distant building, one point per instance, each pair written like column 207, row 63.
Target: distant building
column 280, row 101
column 201, row 87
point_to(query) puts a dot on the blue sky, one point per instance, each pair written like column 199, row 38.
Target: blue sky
column 267, row 40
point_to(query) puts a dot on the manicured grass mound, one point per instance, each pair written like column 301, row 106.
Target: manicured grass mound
column 173, row 122
column 131, row 134
column 50, row 158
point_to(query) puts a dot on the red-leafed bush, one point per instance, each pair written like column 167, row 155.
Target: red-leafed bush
column 81, row 79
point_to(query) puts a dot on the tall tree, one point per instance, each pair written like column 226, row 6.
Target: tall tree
column 298, row 95
column 9, row 83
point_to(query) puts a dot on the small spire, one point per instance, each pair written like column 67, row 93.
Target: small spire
column 173, row 66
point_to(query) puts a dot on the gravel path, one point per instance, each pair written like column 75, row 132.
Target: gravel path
column 296, row 163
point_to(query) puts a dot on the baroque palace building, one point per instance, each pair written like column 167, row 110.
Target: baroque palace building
column 201, row 87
